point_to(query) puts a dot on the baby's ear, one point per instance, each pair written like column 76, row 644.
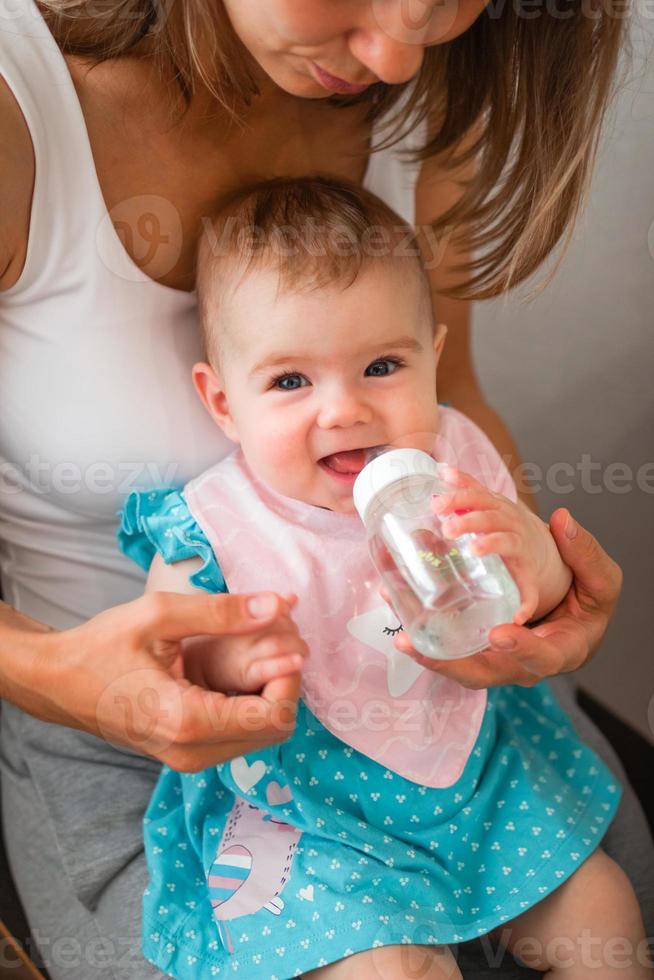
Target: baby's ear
column 439, row 340
column 210, row 387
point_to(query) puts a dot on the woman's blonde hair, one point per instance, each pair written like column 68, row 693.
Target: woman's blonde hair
column 531, row 84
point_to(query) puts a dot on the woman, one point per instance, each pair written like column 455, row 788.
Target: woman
column 123, row 127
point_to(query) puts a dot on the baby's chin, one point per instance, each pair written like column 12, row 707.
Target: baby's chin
column 315, row 496
column 345, row 506
column 339, row 503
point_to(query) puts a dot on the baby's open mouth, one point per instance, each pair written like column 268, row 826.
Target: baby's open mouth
column 345, row 465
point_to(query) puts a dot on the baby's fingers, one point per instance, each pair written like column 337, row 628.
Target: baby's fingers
column 459, row 478
column 479, row 522
column 273, row 656
column 465, row 500
column 529, row 603
column 279, row 644
column 510, row 547
column 507, row 544
column 267, row 669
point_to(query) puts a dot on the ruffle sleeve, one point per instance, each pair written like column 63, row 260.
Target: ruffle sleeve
column 159, row 520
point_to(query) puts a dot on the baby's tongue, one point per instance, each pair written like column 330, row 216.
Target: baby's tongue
column 351, row 461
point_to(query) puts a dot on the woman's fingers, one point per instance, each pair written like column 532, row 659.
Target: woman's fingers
column 213, row 727
column 186, row 724
column 518, row 654
column 172, row 616
column 489, row 668
column 116, row 676
column 553, row 647
column 562, row 642
column 282, row 691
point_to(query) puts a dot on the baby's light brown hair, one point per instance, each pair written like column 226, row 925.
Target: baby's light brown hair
column 315, row 232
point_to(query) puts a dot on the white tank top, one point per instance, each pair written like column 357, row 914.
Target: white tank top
column 96, row 396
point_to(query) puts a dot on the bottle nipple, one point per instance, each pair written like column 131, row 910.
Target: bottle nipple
column 374, row 451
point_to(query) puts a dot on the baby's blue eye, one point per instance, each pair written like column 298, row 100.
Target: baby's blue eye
column 289, row 382
column 382, row 367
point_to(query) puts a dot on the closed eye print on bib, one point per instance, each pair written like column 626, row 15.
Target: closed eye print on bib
column 377, row 628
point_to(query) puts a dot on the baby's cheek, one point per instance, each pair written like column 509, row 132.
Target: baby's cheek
column 282, row 455
column 420, row 418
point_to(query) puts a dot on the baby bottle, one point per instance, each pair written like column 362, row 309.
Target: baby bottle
column 446, row 597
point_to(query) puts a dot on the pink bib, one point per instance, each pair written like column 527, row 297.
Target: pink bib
column 409, row 719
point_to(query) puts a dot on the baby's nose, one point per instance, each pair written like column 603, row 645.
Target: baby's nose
column 343, row 412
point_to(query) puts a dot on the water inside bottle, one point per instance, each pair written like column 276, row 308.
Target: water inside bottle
column 450, row 598
column 460, row 631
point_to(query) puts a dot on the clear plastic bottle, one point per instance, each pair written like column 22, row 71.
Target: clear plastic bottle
column 447, row 598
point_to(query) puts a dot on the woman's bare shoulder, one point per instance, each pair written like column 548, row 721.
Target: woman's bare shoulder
column 16, row 183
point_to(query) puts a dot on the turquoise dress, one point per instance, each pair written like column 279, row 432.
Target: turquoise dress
column 338, row 854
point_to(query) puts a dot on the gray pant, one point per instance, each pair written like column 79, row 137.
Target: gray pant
column 72, row 809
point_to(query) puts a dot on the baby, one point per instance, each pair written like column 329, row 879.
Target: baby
column 406, row 813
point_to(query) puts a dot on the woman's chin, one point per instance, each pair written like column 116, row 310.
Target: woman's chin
column 292, row 81
column 302, row 87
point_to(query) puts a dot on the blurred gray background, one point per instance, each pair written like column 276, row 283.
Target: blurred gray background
column 572, row 374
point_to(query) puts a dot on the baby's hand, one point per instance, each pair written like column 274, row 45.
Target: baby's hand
column 507, row 529
column 245, row 663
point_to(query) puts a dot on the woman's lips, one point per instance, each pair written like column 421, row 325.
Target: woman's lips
column 335, row 84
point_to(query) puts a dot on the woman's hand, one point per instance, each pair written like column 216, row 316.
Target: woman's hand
column 244, row 662
column 564, row 641
column 119, row 676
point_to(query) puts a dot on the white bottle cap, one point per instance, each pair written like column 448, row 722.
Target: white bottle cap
column 387, row 469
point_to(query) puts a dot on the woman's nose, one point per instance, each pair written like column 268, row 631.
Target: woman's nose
column 391, row 44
